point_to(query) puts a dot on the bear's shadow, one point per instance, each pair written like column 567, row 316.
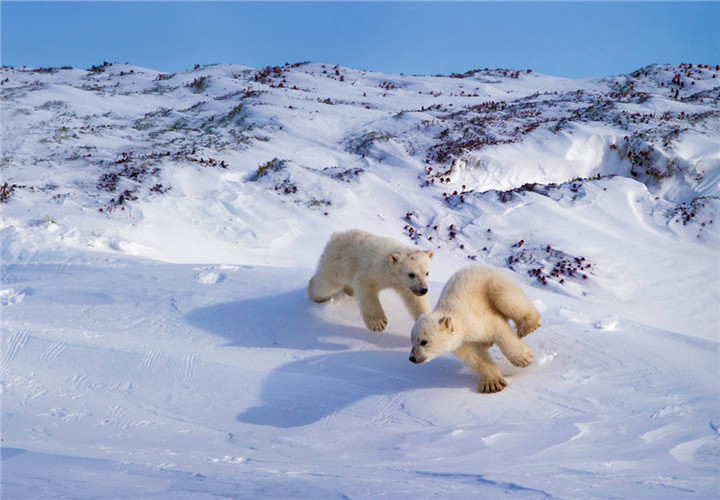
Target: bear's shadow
column 307, row 390
column 289, row 320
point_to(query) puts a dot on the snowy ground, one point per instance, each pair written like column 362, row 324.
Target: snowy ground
column 158, row 341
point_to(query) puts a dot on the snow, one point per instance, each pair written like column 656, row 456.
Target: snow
column 158, row 233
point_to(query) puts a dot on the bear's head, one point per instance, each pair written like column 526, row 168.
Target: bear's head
column 432, row 334
column 411, row 270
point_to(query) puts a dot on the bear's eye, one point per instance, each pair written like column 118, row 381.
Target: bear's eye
column 427, row 274
column 412, row 275
column 423, row 342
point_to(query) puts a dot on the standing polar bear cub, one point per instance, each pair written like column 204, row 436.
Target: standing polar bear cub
column 362, row 264
column 471, row 315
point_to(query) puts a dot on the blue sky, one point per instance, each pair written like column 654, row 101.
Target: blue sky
column 568, row 39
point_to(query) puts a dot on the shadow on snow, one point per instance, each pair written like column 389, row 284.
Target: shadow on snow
column 288, row 320
column 307, row 390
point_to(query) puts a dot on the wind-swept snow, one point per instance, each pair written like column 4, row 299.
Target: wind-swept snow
column 158, row 233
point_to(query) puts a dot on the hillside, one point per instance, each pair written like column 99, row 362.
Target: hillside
column 158, row 232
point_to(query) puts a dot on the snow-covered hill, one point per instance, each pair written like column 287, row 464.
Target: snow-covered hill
column 158, row 232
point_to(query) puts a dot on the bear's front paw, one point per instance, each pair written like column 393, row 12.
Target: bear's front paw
column 491, row 385
column 528, row 325
column 523, row 358
column 376, row 323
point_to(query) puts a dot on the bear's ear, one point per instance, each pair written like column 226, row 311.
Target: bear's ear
column 394, row 258
column 430, row 254
column 446, row 322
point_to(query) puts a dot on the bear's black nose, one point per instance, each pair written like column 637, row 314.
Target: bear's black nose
column 412, row 358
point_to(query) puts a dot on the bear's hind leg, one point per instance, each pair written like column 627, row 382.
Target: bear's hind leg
column 528, row 324
column 321, row 290
column 508, row 299
column 511, row 346
column 477, row 357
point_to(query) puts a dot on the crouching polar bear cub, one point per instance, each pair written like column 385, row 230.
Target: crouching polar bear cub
column 362, row 264
column 471, row 315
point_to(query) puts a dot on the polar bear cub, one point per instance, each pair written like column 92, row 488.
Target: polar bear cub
column 362, row 264
column 471, row 315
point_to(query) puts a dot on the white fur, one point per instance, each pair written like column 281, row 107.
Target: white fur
column 362, row 264
column 471, row 315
